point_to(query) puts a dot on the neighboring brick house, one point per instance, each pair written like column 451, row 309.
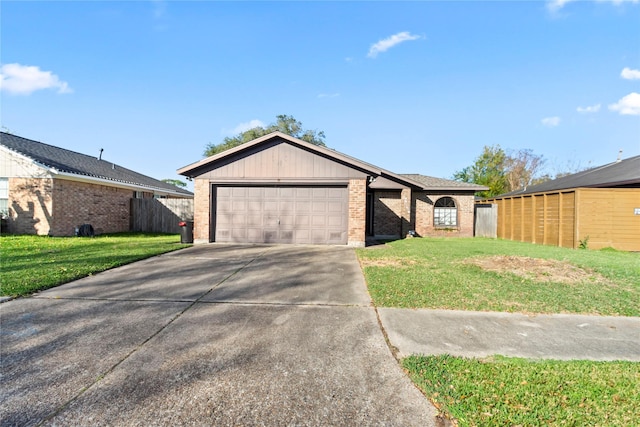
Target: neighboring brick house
column 279, row 189
column 48, row 190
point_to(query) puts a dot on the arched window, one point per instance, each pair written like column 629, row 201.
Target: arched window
column 445, row 213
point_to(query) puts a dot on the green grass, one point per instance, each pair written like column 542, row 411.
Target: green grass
column 33, row 263
column 432, row 273
column 519, row 392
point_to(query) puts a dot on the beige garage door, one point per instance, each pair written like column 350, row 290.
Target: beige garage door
column 316, row 215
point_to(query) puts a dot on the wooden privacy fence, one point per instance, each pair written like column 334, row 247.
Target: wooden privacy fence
column 486, row 220
column 599, row 217
column 160, row 215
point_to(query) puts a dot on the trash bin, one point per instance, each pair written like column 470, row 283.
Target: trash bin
column 186, row 231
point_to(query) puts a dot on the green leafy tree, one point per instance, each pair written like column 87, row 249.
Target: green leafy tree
column 175, row 182
column 488, row 170
column 285, row 124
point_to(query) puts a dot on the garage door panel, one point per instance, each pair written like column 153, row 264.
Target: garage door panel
column 254, row 192
column 282, row 215
column 239, row 191
column 254, row 206
column 224, row 192
column 286, row 236
column 224, row 206
column 287, row 192
column 270, row 206
column 334, row 207
column 238, row 220
column 254, row 235
column 287, row 221
column 271, row 192
column 254, row 220
column 302, row 221
column 303, row 192
column 318, row 221
column 334, row 221
column 319, row 192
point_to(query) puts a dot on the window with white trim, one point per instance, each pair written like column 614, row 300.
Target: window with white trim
column 4, row 197
column 445, row 213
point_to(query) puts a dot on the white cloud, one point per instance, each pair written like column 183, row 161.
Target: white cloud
column 555, row 5
column 159, row 8
column 328, row 95
column 24, row 79
column 243, row 127
column 589, row 109
column 618, row 2
column 628, row 105
column 629, row 74
column 389, row 42
column 551, row 121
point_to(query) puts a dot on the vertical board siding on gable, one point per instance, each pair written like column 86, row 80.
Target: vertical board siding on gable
column 282, row 161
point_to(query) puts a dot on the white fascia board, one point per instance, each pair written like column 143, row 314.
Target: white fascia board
column 118, row 184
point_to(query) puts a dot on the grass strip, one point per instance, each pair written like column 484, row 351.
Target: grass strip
column 34, row 263
column 502, row 391
column 437, row 273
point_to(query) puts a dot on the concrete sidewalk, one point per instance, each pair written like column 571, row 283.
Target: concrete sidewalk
column 481, row 334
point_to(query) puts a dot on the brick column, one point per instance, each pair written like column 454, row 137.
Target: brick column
column 357, row 212
column 201, row 211
column 405, row 213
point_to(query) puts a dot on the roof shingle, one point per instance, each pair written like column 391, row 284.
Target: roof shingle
column 70, row 162
column 617, row 174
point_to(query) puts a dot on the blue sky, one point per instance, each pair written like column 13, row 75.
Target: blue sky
column 415, row 87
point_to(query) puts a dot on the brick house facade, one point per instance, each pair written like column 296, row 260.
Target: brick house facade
column 369, row 202
column 52, row 191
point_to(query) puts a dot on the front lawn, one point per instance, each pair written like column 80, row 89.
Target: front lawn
column 33, row 263
column 501, row 275
column 517, row 392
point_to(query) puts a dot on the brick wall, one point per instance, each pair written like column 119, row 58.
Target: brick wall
column 423, row 204
column 30, row 205
column 357, row 212
column 106, row 208
column 201, row 211
column 387, row 213
column 56, row 207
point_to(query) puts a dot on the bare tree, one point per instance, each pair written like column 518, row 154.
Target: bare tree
column 522, row 168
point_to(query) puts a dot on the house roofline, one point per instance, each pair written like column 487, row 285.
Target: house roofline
column 304, row 144
column 94, row 179
column 119, row 184
column 327, row 152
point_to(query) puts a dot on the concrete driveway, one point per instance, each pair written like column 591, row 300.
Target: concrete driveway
column 210, row 335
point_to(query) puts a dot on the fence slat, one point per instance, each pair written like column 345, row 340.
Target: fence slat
column 486, row 220
column 160, row 215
